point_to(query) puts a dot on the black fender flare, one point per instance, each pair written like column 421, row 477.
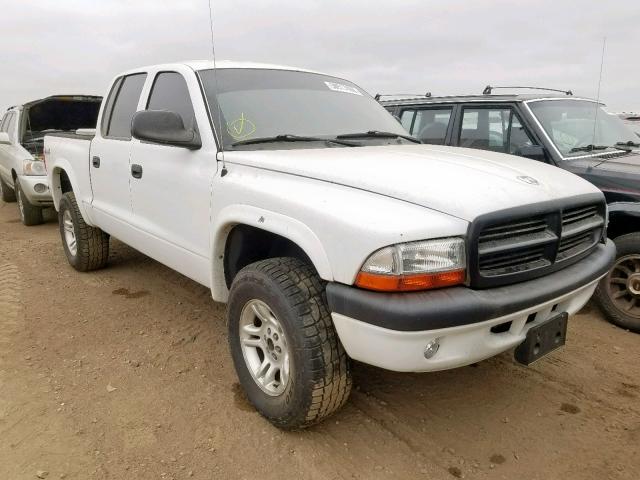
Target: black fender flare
column 628, row 208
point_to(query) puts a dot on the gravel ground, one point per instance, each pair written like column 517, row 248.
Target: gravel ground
column 125, row 374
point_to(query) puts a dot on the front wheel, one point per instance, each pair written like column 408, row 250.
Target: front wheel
column 7, row 194
column 618, row 293
column 284, row 346
column 86, row 247
column 29, row 214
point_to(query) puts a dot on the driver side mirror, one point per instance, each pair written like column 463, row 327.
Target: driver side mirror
column 165, row 128
column 534, row 152
column 4, row 138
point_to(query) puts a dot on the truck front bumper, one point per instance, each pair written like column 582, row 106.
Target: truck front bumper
column 392, row 330
column 36, row 189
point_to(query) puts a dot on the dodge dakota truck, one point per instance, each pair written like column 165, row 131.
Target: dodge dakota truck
column 330, row 232
column 22, row 130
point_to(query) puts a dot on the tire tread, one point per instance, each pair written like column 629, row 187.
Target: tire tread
column 330, row 372
column 93, row 243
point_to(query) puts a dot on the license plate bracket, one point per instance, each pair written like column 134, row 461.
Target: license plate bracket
column 543, row 339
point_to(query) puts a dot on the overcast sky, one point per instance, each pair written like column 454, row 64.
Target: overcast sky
column 74, row 46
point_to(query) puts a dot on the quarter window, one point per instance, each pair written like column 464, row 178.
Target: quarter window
column 125, row 105
column 11, row 124
column 427, row 125
column 4, row 122
column 108, row 106
column 170, row 92
column 496, row 129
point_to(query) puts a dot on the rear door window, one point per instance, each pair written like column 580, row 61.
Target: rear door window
column 170, row 92
column 429, row 125
column 496, row 129
column 125, row 106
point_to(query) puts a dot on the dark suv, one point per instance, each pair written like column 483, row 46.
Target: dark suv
column 555, row 128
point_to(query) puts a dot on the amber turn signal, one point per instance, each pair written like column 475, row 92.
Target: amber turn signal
column 409, row 283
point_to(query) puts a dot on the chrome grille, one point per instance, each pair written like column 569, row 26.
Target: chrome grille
column 508, row 250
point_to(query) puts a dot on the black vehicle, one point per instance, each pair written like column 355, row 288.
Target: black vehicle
column 572, row 133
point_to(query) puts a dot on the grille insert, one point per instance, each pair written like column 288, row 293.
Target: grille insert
column 510, row 249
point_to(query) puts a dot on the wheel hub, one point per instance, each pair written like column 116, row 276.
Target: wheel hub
column 633, row 284
column 264, row 347
column 69, row 233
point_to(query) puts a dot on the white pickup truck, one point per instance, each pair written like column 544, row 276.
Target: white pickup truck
column 330, row 233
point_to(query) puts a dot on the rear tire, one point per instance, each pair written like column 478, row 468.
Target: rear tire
column 618, row 293
column 29, row 214
column 7, row 194
column 86, row 247
column 278, row 307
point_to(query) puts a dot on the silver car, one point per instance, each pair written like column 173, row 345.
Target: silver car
column 22, row 164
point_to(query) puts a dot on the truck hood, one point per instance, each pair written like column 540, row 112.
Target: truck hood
column 461, row 182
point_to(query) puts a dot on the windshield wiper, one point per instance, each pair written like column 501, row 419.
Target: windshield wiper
column 589, row 148
column 378, row 134
column 291, row 138
column 629, row 144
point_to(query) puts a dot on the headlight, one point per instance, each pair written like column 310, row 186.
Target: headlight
column 33, row 167
column 415, row 266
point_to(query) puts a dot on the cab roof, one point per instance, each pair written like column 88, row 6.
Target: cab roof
column 223, row 64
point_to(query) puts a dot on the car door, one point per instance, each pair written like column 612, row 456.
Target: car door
column 171, row 190
column 110, row 151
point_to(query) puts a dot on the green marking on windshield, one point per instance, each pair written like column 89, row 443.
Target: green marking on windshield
column 241, row 127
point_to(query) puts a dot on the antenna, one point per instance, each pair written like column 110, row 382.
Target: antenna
column 595, row 117
column 215, row 81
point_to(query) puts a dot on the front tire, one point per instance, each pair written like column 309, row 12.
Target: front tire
column 86, row 247
column 284, row 346
column 29, row 214
column 7, row 194
column 618, row 293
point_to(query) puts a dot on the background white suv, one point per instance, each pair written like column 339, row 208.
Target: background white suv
column 22, row 130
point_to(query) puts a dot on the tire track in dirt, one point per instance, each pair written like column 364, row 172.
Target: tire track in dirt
column 10, row 294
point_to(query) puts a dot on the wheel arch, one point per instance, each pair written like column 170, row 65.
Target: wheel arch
column 624, row 218
column 245, row 227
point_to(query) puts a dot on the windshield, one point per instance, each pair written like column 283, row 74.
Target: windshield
column 261, row 103
column 570, row 125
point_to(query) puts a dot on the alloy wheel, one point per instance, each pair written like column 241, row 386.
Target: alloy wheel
column 264, row 347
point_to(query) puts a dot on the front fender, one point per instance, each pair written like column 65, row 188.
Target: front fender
column 273, row 222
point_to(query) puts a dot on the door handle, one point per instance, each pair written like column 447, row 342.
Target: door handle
column 96, row 162
column 136, row 171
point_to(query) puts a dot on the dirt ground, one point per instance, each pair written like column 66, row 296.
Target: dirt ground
column 125, row 374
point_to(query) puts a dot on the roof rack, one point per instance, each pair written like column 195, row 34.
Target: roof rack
column 413, row 95
column 487, row 90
